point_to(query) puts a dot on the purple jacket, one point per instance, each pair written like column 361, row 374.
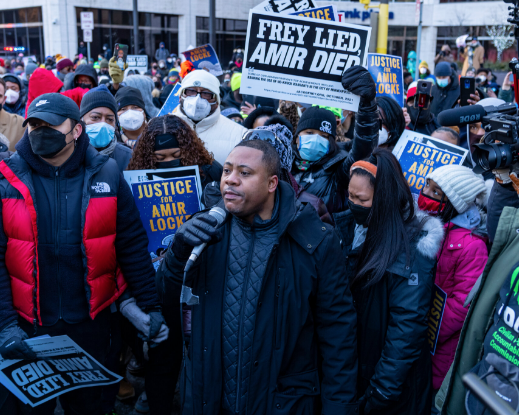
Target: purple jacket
column 460, row 263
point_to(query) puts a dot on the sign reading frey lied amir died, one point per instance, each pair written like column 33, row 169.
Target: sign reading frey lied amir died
column 302, row 59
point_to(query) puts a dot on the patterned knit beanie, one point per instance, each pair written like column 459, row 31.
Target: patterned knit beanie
column 460, row 184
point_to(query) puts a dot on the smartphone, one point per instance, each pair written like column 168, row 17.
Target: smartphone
column 423, row 94
column 467, row 87
column 120, row 54
column 511, row 77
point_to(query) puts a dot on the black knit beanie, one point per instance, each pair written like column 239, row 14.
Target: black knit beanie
column 97, row 97
column 129, row 96
column 318, row 119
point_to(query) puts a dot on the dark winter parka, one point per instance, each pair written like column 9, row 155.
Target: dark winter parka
column 394, row 358
column 304, row 312
column 445, row 98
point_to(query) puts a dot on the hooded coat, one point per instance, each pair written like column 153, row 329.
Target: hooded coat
column 299, row 312
column 394, row 358
column 445, row 98
column 461, row 261
column 18, row 107
column 145, row 85
column 87, row 70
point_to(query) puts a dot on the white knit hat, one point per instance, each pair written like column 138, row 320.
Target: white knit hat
column 203, row 79
column 460, row 184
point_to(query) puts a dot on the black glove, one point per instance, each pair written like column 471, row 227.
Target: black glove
column 362, row 405
column 201, row 229
column 374, row 400
column 13, row 346
column 359, row 81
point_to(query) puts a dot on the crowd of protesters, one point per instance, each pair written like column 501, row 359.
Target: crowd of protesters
column 314, row 292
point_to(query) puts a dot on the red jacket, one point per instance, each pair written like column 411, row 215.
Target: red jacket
column 460, row 263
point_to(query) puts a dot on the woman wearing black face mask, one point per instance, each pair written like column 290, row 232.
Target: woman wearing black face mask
column 390, row 251
column 169, row 142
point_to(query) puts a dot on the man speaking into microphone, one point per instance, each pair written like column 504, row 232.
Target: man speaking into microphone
column 274, row 330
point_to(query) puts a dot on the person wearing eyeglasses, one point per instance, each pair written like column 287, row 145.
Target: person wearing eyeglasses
column 200, row 109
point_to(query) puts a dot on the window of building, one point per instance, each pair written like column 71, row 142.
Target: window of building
column 401, row 40
column 230, row 35
column 22, row 28
column 116, row 26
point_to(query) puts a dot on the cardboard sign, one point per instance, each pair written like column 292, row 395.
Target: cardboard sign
column 284, row 6
column 322, row 13
column 166, row 198
column 61, row 366
column 387, row 71
column 138, row 62
column 204, row 57
column 172, row 101
column 435, row 317
column 302, row 59
column 420, row 154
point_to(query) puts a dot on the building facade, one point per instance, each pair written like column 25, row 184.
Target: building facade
column 48, row 27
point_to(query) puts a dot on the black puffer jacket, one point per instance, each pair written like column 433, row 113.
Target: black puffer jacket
column 394, row 358
column 445, row 98
column 328, row 179
column 304, row 311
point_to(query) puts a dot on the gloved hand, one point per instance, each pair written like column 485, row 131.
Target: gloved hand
column 151, row 326
column 12, row 343
column 502, row 175
column 374, row 400
column 201, row 229
column 359, row 81
column 115, row 72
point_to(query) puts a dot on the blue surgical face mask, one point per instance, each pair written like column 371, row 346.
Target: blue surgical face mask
column 313, row 147
column 101, row 134
column 442, row 83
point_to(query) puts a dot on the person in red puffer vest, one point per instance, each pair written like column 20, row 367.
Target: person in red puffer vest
column 71, row 244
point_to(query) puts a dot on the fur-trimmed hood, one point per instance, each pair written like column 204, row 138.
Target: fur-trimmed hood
column 431, row 235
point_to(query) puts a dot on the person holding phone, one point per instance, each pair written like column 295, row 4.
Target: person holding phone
column 506, row 93
column 422, row 121
column 447, row 89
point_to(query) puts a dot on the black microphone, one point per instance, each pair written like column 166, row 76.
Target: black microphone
column 186, row 295
column 472, row 114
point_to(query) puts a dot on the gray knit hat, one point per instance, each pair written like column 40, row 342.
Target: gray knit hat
column 460, row 184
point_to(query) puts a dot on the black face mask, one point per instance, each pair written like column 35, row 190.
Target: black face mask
column 85, row 86
column 168, row 164
column 104, row 71
column 360, row 213
column 425, row 115
column 47, row 142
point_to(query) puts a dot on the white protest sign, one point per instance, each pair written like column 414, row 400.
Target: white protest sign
column 87, row 20
column 61, row 366
column 139, row 62
column 284, row 6
column 302, row 59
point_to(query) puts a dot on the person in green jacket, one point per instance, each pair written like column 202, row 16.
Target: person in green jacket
column 450, row 400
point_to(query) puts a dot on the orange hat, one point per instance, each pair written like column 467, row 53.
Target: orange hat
column 365, row 165
column 185, row 68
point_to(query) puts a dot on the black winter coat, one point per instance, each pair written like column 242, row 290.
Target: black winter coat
column 394, row 357
column 304, row 313
column 445, row 98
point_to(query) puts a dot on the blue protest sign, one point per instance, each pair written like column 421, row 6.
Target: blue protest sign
column 419, row 154
column 387, row 72
column 165, row 198
column 322, row 13
column 172, row 101
column 204, row 57
column 435, row 317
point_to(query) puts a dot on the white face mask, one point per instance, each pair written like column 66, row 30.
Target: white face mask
column 131, row 120
column 196, row 108
column 11, row 96
column 423, row 70
column 482, row 78
column 383, row 136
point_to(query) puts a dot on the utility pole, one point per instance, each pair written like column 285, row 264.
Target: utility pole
column 383, row 21
column 135, row 28
column 419, row 41
column 212, row 23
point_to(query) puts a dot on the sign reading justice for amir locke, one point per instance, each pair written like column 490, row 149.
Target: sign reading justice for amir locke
column 302, row 59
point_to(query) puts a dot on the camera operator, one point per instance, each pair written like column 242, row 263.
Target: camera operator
column 444, row 55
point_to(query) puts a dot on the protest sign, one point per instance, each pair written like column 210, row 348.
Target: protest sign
column 420, row 154
column 435, row 317
column 302, row 59
column 171, row 102
column 165, row 198
column 138, row 62
column 204, row 57
column 387, row 72
column 284, row 6
column 323, row 13
column 61, row 366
